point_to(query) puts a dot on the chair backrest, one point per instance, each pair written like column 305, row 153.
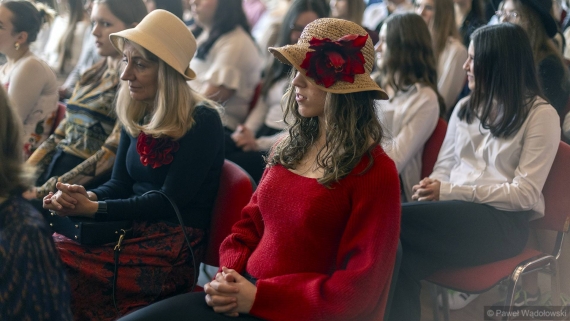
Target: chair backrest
column 432, row 146
column 236, row 188
column 557, row 214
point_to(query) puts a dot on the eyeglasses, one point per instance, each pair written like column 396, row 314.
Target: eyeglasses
column 295, row 27
column 509, row 16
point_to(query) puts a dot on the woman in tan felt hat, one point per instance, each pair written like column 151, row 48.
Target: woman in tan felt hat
column 172, row 141
column 318, row 239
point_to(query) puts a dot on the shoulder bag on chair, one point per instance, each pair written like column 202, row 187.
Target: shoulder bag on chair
column 88, row 231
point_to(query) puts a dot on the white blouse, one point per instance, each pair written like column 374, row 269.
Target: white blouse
column 268, row 111
column 234, row 61
column 507, row 174
column 450, row 74
column 410, row 118
column 566, row 126
column 32, row 88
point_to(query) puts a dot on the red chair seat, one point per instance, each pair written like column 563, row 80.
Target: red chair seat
column 478, row 279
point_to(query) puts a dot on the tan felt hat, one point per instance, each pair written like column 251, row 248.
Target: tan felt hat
column 164, row 35
column 336, row 55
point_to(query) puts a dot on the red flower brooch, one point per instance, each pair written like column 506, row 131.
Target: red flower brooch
column 156, row 151
column 335, row 60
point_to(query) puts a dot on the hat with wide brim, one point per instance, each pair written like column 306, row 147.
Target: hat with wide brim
column 164, row 35
column 331, row 32
column 543, row 8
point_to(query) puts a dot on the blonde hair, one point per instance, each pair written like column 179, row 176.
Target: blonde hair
column 442, row 25
column 174, row 103
column 15, row 175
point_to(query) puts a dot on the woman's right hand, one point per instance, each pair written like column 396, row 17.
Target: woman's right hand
column 220, row 295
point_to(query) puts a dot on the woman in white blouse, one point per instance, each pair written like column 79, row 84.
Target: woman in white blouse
column 30, row 83
column 408, row 74
column 487, row 183
column 228, row 64
column 447, row 45
column 65, row 41
column 265, row 122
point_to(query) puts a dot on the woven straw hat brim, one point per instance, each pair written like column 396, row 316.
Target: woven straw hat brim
column 162, row 40
column 295, row 54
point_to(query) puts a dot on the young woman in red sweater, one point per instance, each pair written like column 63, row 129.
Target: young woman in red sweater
column 318, row 239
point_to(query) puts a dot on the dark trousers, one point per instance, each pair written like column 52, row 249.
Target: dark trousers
column 252, row 162
column 189, row 306
column 437, row 235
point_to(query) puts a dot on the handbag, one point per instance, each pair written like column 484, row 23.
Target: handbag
column 88, row 231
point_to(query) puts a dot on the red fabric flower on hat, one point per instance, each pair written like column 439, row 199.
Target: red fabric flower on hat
column 156, row 151
column 335, row 60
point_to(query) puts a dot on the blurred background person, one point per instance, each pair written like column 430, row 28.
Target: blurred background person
column 263, row 126
column 448, row 47
column 31, row 84
column 33, row 284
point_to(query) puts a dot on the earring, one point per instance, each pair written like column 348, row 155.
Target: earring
column 17, row 46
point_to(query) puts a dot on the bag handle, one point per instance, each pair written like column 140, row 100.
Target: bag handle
column 182, row 225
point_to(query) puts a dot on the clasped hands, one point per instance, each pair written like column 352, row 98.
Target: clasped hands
column 245, row 139
column 426, row 190
column 71, row 200
column 230, row 293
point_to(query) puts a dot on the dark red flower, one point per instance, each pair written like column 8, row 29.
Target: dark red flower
column 156, row 151
column 335, row 60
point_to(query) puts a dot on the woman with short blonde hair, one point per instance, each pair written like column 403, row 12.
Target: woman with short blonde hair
column 171, row 141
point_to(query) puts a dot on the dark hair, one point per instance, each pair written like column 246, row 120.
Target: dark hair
column 409, row 58
column 505, row 79
column 27, row 18
column 353, row 130
column 129, row 12
column 229, row 14
column 278, row 70
column 172, row 6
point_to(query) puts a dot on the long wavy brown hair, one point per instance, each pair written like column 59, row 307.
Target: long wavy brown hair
column 409, row 58
column 352, row 131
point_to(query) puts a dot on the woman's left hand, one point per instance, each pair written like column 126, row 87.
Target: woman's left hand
column 427, row 190
column 232, row 284
column 69, row 203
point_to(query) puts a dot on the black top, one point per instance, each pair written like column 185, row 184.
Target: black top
column 33, row 284
column 191, row 180
column 554, row 85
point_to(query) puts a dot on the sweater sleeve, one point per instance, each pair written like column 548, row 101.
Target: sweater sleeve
column 246, row 233
column 200, row 150
column 357, row 288
column 540, row 144
column 121, row 184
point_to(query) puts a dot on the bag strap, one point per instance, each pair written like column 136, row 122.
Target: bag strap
column 118, row 248
column 182, row 225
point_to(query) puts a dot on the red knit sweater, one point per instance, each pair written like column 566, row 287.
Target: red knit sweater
column 318, row 253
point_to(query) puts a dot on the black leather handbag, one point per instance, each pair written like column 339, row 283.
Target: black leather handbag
column 87, row 231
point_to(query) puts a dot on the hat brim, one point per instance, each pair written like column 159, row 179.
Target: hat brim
column 295, row 54
column 148, row 42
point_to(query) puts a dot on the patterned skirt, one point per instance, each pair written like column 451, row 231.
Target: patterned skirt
column 154, row 264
